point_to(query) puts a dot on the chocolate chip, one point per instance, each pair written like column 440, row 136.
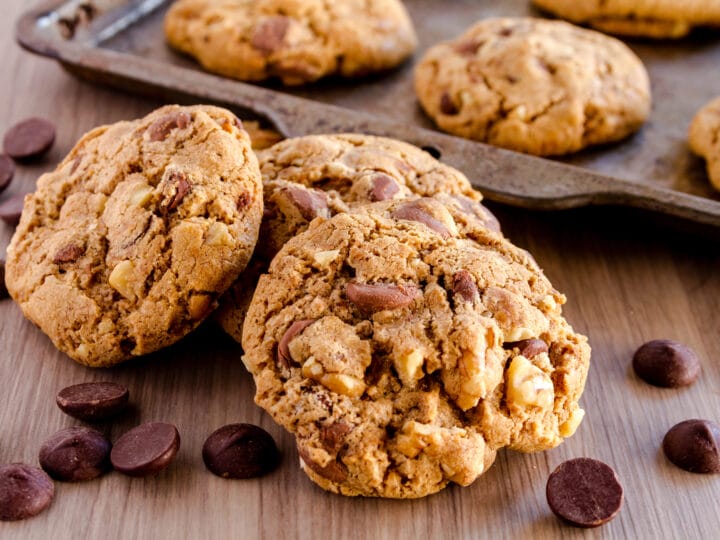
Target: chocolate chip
column 381, row 296
column 270, row 34
column 464, row 285
column 68, row 254
column 11, row 209
column 283, row 351
column 333, row 471
column 666, row 363
column 3, row 288
column 240, row 451
column 333, row 436
column 93, row 401
column 468, row 48
column 176, row 186
column 146, row 449
column 310, row 203
column 529, row 347
column 75, row 454
column 161, row 128
column 447, row 106
column 29, row 139
column 584, row 492
column 243, row 201
column 7, row 171
column 694, row 445
column 383, row 187
column 414, row 212
column 25, row 491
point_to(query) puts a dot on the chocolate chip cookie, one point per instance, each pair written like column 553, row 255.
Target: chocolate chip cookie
column 297, row 42
column 535, row 86
column 643, row 18
column 403, row 349
column 704, row 138
column 322, row 175
column 127, row 245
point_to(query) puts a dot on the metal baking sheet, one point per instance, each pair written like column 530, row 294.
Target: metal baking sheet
column 121, row 43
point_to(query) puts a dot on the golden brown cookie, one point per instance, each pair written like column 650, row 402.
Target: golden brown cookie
column 402, row 350
column 127, row 245
column 643, row 18
column 298, row 41
column 322, row 175
column 704, row 138
column 535, row 86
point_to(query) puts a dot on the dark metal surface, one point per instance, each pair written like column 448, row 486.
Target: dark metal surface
column 121, row 43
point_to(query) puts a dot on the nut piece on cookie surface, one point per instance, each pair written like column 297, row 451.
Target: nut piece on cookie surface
column 535, row 86
column 128, row 244
column 393, row 366
column 297, row 42
column 703, row 139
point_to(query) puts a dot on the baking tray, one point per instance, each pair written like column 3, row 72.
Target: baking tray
column 121, row 43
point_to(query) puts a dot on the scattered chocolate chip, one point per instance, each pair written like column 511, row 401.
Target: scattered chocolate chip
column 584, row 492
column 694, row 445
column 93, row 401
column 176, row 186
column 381, row 296
column 447, row 106
column 66, row 26
column 414, row 212
column 270, row 34
column 666, row 363
column 3, row 288
column 11, row 209
column 464, row 285
column 283, row 351
column 68, row 254
column 310, row 203
column 75, row 454
column 161, row 128
column 29, row 139
column 333, row 436
column 146, row 449
column 240, row 451
column 7, row 171
column 87, row 11
column 333, row 471
column 243, row 201
column 529, row 347
column 383, row 187
column 25, row 491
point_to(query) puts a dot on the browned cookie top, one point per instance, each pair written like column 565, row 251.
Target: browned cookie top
column 127, row 245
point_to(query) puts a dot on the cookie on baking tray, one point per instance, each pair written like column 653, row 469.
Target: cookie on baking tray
column 322, row 175
column 298, row 41
column 642, row 18
column 704, row 138
column 127, row 245
column 402, row 350
column 535, row 86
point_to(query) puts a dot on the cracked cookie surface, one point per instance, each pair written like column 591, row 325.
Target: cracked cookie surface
column 403, row 348
column 298, row 41
column 643, row 18
column 535, row 86
column 323, row 175
column 127, row 245
column 704, row 138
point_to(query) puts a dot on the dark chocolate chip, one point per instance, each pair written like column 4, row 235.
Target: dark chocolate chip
column 310, row 203
column 447, row 106
column 666, row 363
column 11, row 209
column 29, row 139
column 283, row 351
column 468, row 48
column 333, row 436
column 464, row 285
column 380, row 296
column 240, row 451
column 334, row 471
column 584, row 492
column 529, row 347
column 25, row 491
column 75, row 454
column 146, row 449
column 383, row 187
column 694, row 445
column 3, row 288
column 68, row 254
column 7, row 171
column 176, row 186
column 414, row 212
column 161, row 128
column 93, row 401
column 270, row 34
column 243, row 201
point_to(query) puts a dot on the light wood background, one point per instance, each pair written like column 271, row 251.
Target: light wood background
column 629, row 278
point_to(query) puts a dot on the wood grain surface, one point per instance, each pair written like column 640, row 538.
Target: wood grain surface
column 628, row 276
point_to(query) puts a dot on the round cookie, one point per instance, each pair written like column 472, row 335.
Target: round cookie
column 704, row 138
column 127, row 245
column 323, row 175
column 535, row 86
column 659, row 19
column 403, row 350
column 298, row 41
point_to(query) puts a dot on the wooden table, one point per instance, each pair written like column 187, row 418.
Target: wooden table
column 628, row 276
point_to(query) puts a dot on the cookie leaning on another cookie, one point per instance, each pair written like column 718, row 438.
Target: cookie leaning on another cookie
column 704, row 138
column 403, row 350
column 298, row 41
column 127, row 245
column 535, row 86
